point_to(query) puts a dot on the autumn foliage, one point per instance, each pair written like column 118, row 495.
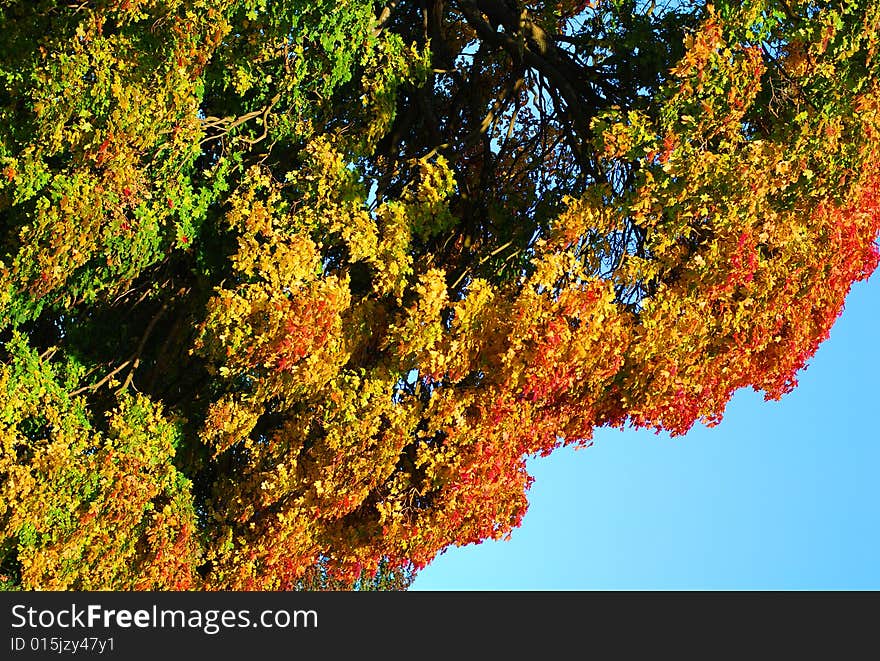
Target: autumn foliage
column 291, row 289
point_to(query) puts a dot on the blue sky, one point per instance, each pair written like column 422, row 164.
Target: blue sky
column 780, row 496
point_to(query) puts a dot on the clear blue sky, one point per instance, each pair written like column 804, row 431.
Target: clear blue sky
column 781, row 495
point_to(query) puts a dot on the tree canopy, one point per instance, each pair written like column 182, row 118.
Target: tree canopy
column 291, row 289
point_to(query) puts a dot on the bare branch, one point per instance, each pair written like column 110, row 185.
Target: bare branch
column 383, row 17
column 229, row 123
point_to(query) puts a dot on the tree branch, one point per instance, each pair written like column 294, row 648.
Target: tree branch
column 229, row 123
column 137, row 354
column 383, row 17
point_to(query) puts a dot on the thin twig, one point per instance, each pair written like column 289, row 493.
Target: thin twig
column 229, row 123
column 484, row 260
column 140, row 349
column 134, row 360
column 791, row 81
column 100, row 383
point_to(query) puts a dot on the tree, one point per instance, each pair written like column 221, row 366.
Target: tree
column 290, row 290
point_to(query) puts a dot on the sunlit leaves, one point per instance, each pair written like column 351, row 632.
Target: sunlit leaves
column 74, row 487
